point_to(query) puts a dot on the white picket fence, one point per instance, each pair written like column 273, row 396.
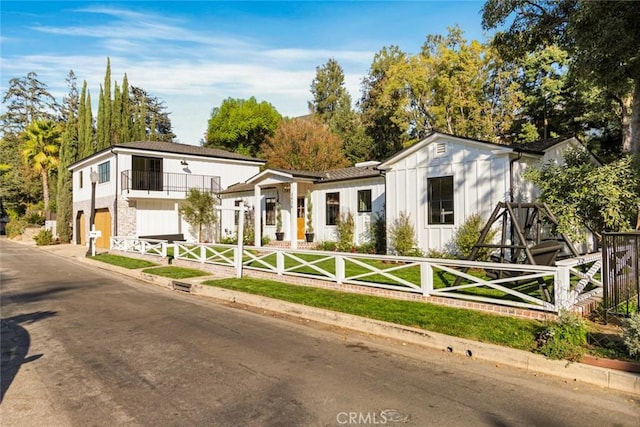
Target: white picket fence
column 567, row 281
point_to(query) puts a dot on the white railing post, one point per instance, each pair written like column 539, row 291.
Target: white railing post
column 280, row 262
column 142, row 248
column 340, row 274
column 203, row 253
column 562, row 288
column 426, row 278
column 163, row 249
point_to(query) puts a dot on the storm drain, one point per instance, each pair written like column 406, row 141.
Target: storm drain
column 181, row 286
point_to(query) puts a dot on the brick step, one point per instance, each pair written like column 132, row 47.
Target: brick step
column 587, row 306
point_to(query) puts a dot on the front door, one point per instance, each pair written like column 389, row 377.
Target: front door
column 300, row 217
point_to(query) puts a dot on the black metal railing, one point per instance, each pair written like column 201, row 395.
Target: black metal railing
column 167, row 182
column 621, row 273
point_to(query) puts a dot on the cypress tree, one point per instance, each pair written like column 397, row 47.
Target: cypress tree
column 116, row 115
column 104, row 137
column 68, row 154
column 126, row 124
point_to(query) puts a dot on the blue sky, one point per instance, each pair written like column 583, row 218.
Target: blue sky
column 193, row 55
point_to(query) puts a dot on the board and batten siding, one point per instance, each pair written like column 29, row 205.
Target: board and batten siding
column 480, row 178
column 348, row 191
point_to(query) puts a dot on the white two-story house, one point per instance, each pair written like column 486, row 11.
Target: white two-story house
column 139, row 186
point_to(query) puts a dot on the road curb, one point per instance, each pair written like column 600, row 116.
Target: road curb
column 602, row 377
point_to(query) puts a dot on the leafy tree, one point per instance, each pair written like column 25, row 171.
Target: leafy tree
column 41, row 147
column 241, row 126
column 150, row 117
column 19, row 185
column 27, row 99
column 381, row 106
column 602, row 39
column 198, row 210
column 304, row 144
column 580, row 193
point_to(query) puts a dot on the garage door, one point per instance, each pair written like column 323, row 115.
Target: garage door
column 103, row 223
column 81, row 237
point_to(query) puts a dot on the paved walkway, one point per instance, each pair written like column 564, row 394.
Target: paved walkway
column 607, row 378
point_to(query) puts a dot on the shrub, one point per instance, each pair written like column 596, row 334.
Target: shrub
column 468, row 235
column 379, row 234
column 15, row 227
column 328, row 246
column 309, row 229
column 34, row 218
column 632, row 335
column 564, row 339
column 402, row 235
column 345, row 228
column 45, row 238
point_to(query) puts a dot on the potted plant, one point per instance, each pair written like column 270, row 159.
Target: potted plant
column 279, row 232
column 309, row 235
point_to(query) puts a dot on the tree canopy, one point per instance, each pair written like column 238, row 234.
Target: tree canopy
column 241, row 125
column 304, row 144
column 601, row 38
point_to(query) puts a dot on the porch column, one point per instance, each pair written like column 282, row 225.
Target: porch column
column 293, row 217
column 257, row 211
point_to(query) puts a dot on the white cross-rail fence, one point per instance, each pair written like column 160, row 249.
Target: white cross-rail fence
column 545, row 288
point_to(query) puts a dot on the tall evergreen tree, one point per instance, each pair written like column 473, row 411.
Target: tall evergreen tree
column 68, row 154
column 103, row 137
column 116, row 115
column 126, row 118
column 27, row 99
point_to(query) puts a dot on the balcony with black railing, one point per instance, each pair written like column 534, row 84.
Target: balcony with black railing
column 149, row 182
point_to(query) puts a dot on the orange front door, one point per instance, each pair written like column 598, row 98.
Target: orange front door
column 103, row 223
column 300, row 216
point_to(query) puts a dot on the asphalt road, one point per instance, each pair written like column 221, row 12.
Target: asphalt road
column 82, row 347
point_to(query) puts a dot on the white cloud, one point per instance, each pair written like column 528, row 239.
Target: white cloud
column 191, row 71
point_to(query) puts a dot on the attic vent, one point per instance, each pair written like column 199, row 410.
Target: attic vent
column 441, row 149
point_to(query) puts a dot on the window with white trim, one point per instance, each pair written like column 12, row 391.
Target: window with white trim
column 440, row 200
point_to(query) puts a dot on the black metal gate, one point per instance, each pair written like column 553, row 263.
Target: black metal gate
column 621, row 271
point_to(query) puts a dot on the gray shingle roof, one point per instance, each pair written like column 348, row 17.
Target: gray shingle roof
column 192, row 150
column 353, row 172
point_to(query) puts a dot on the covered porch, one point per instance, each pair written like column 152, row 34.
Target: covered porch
column 280, row 205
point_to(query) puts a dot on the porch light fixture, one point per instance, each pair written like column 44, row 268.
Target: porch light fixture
column 287, row 188
column 183, row 162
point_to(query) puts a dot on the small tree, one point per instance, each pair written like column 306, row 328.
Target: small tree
column 402, row 235
column 309, row 229
column 278, row 217
column 467, row 236
column 198, row 210
column 346, row 230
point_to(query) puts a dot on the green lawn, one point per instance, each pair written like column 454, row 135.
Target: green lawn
column 516, row 333
column 175, row 272
column 121, row 261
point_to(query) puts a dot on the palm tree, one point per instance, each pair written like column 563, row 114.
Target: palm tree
column 42, row 144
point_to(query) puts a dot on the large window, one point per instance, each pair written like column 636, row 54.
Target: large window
column 270, row 211
column 440, row 200
column 147, row 173
column 104, row 172
column 364, row 200
column 333, row 208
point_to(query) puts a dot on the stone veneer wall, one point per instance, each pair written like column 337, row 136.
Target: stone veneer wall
column 127, row 225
